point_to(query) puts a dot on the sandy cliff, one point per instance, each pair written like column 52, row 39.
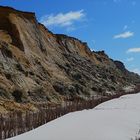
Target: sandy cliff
column 39, row 66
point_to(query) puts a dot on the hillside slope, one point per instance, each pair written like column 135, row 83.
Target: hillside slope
column 39, row 66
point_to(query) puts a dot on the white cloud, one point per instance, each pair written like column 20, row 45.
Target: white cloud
column 130, row 59
column 133, row 50
column 136, row 71
column 63, row 19
column 124, row 35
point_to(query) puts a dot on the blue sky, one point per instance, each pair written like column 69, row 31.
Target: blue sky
column 110, row 25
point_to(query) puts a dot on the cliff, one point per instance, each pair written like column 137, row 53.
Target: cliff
column 38, row 66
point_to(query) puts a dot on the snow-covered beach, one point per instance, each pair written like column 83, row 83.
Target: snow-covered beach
column 117, row 119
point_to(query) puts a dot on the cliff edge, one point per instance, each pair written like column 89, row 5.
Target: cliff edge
column 37, row 66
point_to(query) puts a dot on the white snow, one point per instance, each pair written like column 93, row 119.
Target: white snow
column 117, row 119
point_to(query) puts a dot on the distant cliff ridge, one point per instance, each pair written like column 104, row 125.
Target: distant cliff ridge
column 39, row 66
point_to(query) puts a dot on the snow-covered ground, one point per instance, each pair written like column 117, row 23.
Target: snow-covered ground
column 117, row 119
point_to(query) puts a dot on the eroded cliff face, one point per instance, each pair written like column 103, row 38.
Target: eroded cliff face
column 39, row 66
